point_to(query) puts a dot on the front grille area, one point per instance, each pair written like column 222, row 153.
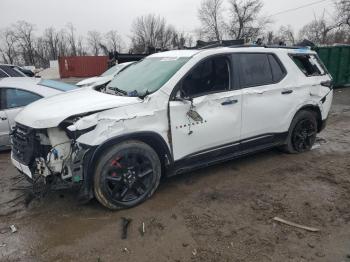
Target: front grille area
column 24, row 144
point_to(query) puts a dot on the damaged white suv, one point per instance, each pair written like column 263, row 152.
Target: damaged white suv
column 170, row 113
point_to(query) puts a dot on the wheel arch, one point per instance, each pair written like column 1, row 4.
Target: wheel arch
column 316, row 110
column 152, row 139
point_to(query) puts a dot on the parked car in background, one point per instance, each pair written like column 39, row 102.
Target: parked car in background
column 105, row 78
column 11, row 71
column 18, row 92
column 171, row 113
column 26, row 71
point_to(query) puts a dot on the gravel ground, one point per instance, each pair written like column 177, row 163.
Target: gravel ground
column 222, row 213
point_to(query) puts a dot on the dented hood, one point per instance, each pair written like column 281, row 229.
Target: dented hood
column 50, row 112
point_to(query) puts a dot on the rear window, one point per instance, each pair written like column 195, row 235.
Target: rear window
column 278, row 72
column 309, row 64
column 57, row 85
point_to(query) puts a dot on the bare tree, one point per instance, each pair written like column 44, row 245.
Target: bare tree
column 318, row 31
column 114, row 41
column 178, row 40
column 245, row 22
column 341, row 35
column 270, row 38
column 81, row 50
column 24, row 36
column 71, row 39
column 42, row 52
column 343, row 12
column 50, row 46
column 63, row 46
column 150, row 32
column 166, row 35
column 210, row 15
column 189, row 42
column 285, row 35
column 181, row 40
column 52, row 40
column 8, row 50
column 94, row 40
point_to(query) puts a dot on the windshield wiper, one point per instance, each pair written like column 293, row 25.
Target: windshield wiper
column 118, row 91
column 145, row 94
column 135, row 93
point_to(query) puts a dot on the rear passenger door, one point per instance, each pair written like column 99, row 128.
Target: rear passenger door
column 266, row 99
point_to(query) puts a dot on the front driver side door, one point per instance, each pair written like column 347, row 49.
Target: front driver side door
column 12, row 102
column 4, row 130
column 217, row 106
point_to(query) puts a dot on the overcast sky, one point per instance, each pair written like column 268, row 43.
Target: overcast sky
column 104, row 15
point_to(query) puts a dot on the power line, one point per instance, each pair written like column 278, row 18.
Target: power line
column 297, row 8
column 278, row 13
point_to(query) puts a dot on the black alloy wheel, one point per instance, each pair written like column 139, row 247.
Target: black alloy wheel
column 127, row 175
column 304, row 135
column 302, row 132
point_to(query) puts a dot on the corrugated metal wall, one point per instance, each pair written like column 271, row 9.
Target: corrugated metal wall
column 82, row 66
column 337, row 61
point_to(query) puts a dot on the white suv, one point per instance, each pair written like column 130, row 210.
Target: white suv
column 170, row 113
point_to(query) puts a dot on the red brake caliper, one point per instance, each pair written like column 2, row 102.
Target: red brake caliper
column 115, row 162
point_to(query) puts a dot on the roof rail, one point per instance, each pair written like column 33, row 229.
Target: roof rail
column 215, row 45
column 286, row 47
column 240, row 46
column 211, row 46
column 270, row 46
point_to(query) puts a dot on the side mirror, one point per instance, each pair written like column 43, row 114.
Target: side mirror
column 181, row 95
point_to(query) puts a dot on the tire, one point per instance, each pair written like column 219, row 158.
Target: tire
column 302, row 133
column 126, row 175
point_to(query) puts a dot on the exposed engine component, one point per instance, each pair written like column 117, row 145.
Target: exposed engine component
column 59, row 153
column 41, row 168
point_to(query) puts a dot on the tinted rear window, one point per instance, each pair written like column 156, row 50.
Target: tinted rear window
column 256, row 69
column 57, row 85
column 278, row 71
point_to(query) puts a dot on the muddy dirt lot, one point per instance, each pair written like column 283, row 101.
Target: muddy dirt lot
column 223, row 213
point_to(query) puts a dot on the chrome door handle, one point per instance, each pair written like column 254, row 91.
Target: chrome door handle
column 229, row 102
column 287, row 92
